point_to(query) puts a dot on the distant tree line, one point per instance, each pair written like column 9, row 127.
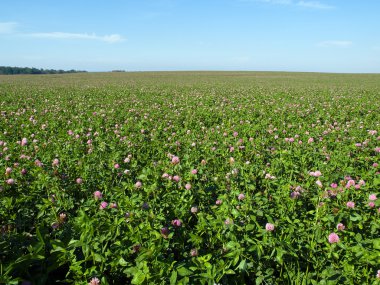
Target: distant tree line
column 28, row 70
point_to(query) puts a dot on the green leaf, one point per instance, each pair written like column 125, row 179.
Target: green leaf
column 207, row 265
column 259, row 280
column 250, row 227
column 183, row 271
column 355, row 217
column 39, row 235
column 236, row 260
column 232, row 245
column 142, row 177
column 243, row 265
column 205, row 258
column 98, row 257
column 122, row 262
column 376, row 243
column 138, row 278
column 74, row 243
column 358, row 237
column 24, row 261
column 173, row 278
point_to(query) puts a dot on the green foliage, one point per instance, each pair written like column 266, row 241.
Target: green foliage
column 90, row 186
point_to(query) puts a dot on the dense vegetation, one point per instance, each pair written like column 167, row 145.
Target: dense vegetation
column 9, row 70
column 190, row 178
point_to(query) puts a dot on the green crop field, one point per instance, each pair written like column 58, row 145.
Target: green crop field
column 190, row 178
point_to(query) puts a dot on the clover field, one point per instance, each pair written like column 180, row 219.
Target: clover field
column 190, row 178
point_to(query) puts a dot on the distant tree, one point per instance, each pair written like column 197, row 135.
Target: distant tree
column 27, row 70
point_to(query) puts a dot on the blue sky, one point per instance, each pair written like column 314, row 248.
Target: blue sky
column 136, row 35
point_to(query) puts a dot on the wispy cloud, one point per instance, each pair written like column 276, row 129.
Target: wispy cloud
column 280, row 2
column 7, row 27
column 11, row 28
column 314, row 5
column 305, row 4
column 114, row 38
column 342, row 44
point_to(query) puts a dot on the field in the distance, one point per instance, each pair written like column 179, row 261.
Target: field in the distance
column 190, row 178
